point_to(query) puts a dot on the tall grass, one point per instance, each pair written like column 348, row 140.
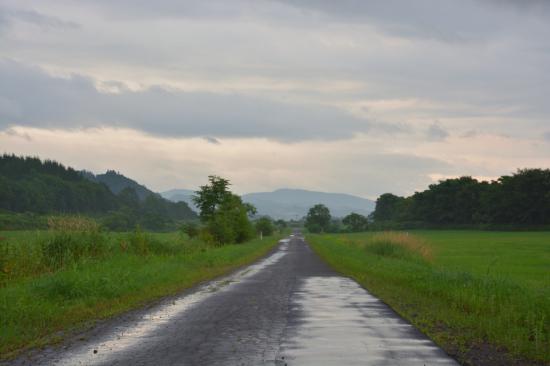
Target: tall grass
column 399, row 245
column 459, row 309
column 73, row 240
column 74, row 272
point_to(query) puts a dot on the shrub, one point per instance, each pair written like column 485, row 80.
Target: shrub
column 265, row 226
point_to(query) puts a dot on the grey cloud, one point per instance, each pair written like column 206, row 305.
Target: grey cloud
column 430, row 19
column 385, row 173
column 9, row 16
column 12, row 132
column 546, row 136
column 436, row 132
column 31, row 97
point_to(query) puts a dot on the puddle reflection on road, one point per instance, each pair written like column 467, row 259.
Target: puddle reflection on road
column 339, row 323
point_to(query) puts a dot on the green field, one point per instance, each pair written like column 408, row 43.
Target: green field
column 58, row 281
column 480, row 295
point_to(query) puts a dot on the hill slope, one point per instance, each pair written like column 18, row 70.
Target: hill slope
column 30, row 185
column 295, row 203
column 118, row 182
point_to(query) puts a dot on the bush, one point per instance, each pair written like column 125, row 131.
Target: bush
column 265, row 226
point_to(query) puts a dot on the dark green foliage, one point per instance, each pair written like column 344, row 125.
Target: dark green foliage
column 191, row 229
column 318, row 219
column 22, row 221
column 265, row 226
column 355, row 222
column 388, row 207
column 516, row 201
column 223, row 213
column 211, row 196
column 29, row 186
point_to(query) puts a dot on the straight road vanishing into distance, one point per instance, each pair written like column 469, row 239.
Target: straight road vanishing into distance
column 287, row 309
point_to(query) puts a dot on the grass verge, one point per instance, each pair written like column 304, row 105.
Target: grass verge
column 134, row 269
column 481, row 319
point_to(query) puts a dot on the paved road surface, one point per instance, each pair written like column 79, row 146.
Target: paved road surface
column 287, row 309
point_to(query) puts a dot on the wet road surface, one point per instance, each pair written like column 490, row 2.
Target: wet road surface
column 287, row 309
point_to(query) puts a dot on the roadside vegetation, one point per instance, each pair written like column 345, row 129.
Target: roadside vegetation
column 66, row 277
column 483, row 296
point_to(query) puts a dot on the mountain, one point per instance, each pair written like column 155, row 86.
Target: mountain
column 295, row 203
column 118, row 182
column 180, row 195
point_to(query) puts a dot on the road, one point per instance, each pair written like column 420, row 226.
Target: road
column 287, row 309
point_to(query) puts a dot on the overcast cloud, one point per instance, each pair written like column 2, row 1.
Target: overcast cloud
column 353, row 96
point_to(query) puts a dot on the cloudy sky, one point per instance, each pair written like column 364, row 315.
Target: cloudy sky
column 354, row 96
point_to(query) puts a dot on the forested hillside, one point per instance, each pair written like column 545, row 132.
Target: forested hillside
column 29, row 185
column 516, row 201
column 117, row 182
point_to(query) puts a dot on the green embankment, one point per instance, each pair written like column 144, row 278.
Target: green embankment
column 59, row 281
column 477, row 294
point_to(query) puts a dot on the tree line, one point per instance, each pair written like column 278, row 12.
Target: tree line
column 319, row 220
column 515, row 201
column 30, row 185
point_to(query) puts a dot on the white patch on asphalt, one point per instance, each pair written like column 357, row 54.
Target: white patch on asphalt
column 340, row 323
column 124, row 338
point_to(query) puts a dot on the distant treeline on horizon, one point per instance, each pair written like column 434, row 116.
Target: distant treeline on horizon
column 521, row 200
column 31, row 188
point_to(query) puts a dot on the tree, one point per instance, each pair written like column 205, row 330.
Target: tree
column 264, row 225
column 355, row 222
column 386, row 207
column 318, row 219
column 224, row 214
column 211, row 196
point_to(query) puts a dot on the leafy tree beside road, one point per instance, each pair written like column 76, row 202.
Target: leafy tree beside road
column 318, row 219
column 223, row 213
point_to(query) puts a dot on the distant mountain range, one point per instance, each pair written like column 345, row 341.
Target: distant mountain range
column 290, row 203
column 295, row 203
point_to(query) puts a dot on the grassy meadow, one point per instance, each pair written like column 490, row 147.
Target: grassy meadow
column 65, row 278
column 480, row 295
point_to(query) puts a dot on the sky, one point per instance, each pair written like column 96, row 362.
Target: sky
column 353, row 96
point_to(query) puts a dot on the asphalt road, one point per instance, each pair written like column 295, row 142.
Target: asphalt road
column 287, row 309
